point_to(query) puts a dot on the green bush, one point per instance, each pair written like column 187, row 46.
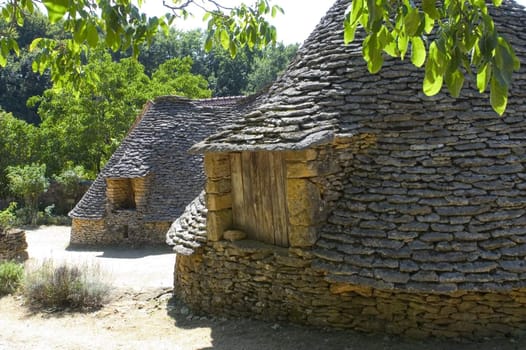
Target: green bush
column 11, row 274
column 66, row 285
column 8, row 216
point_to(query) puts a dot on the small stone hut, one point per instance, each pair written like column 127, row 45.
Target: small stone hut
column 353, row 200
column 150, row 178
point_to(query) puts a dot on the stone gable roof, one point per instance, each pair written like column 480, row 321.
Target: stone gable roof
column 158, row 146
column 438, row 203
column 327, row 90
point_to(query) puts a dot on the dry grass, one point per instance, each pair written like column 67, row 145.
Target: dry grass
column 66, row 285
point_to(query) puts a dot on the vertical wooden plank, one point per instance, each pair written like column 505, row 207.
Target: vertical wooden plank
column 279, row 205
column 247, row 164
column 267, row 192
column 238, row 202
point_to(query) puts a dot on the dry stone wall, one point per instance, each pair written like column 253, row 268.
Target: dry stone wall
column 13, row 245
column 252, row 279
column 122, row 229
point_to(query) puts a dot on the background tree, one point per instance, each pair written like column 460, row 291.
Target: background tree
column 464, row 40
column 70, row 181
column 174, row 77
column 17, row 140
column 28, row 182
column 267, row 64
column 18, row 81
column 84, row 126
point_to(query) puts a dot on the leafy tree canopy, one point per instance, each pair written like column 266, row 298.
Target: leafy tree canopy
column 464, row 40
column 84, row 125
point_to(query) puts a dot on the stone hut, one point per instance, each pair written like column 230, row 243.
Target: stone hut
column 353, row 200
column 150, row 178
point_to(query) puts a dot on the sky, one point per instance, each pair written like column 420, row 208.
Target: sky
column 299, row 20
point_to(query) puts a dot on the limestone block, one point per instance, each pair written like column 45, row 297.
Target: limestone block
column 217, row 165
column 234, row 235
column 219, row 201
column 218, row 186
column 298, row 170
column 302, row 169
column 303, row 202
column 304, row 155
column 340, row 288
column 302, row 236
column 218, row 222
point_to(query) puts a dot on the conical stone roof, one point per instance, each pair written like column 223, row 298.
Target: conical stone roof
column 327, row 90
column 436, row 201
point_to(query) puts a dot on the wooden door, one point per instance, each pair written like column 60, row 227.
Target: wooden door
column 259, row 197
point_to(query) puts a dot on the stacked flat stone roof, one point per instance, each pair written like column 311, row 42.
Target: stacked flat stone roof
column 188, row 232
column 437, row 203
column 158, row 147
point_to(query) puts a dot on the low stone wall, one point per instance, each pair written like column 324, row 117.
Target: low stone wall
column 13, row 245
column 123, row 230
column 88, row 232
column 252, row 279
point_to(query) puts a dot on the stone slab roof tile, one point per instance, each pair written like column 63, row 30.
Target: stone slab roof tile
column 188, row 232
column 437, row 204
column 157, row 146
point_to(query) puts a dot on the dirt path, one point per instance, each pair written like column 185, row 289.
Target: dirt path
column 135, row 269
column 142, row 314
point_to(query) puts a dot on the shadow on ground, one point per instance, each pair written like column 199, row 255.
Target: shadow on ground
column 121, row 252
column 238, row 334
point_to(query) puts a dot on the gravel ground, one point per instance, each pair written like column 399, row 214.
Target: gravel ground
column 135, row 269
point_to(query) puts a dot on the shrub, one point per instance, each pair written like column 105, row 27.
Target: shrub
column 66, row 285
column 11, row 274
column 8, row 216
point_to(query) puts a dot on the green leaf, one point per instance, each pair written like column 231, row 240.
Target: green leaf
column 14, row 46
column 56, row 9
column 372, row 54
column 3, row 59
column 224, row 39
column 208, row 44
column 92, row 35
column 233, row 49
column 454, row 82
column 418, row 51
column 483, row 77
column 433, row 79
column 497, row 2
column 412, row 22
column 430, row 8
column 498, row 96
column 403, row 43
column 356, row 11
column 348, row 32
column 34, row 44
column 429, row 24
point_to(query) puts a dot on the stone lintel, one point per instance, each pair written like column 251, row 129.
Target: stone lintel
column 301, row 156
column 302, row 169
column 312, row 168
